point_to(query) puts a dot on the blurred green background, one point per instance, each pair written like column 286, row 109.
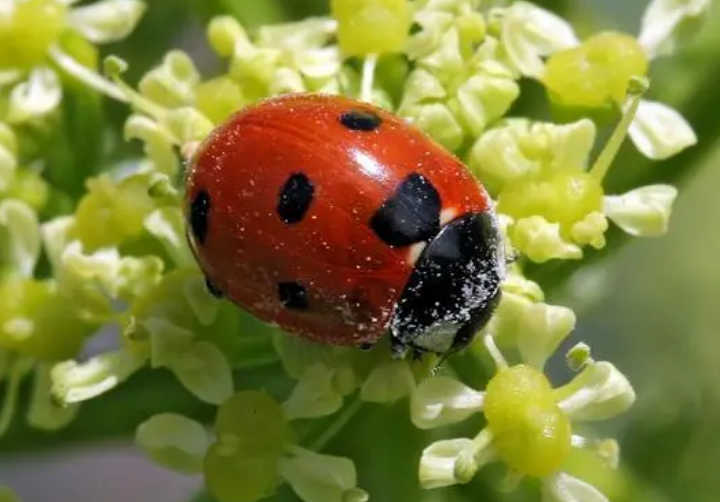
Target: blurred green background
column 651, row 306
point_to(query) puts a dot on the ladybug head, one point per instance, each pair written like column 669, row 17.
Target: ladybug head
column 453, row 289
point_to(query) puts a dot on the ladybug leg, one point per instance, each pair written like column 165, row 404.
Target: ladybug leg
column 398, row 348
column 213, row 290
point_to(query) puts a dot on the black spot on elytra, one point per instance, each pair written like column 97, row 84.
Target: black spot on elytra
column 360, row 120
column 292, row 295
column 410, row 215
column 199, row 211
column 213, row 290
column 295, row 198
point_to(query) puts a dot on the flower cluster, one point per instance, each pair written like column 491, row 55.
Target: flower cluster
column 115, row 256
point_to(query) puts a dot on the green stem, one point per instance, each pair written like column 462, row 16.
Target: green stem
column 340, row 421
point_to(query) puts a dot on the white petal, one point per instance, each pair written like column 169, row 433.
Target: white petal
column 529, row 32
column 173, row 441
column 107, row 20
column 38, row 95
column 20, row 236
column 599, row 392
column 644, row 211
column 441, row 400
column 659, row 131
column 662, row 18
column 438, row 462
column 566, row 488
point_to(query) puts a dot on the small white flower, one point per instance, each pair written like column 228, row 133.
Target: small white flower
column 107, row 20
column 35, row 97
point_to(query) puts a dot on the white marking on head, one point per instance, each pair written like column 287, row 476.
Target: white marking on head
column 415, row 252
column 447, row 215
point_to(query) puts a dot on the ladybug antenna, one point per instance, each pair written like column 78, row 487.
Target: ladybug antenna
column 368, row 76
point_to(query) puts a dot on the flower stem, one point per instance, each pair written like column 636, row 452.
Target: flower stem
column 337, row 425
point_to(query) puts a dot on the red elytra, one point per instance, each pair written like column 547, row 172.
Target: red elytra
column 311, row 211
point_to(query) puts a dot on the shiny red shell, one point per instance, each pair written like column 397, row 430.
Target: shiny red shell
column 353, row 279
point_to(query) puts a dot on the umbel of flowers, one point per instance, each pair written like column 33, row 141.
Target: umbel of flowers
column 118, row 258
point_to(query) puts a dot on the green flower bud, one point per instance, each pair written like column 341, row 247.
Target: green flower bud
column 438, row 121
column 522, row 149
column 173, row 441
column 112, row 212
column 590, row 230
column 483, row 99
column 107, row 20
column 237, row 477
column 227, row 37
column 596, row 73
column 218, row 98
column 173, row 83
column 371, row 26
column 27, row 29
column 644, row 211
column 29, row 187
column 38, row 322
column 440, row 401
column 541, row 241
column 530, row 432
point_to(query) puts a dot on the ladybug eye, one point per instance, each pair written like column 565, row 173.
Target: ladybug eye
column 295, row 198
column 199, row 211
column 410, row 215
column 360, row 120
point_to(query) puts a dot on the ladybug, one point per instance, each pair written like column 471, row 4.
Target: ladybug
column 341, row 222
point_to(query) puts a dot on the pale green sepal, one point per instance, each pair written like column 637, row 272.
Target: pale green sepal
column 529, row 33
column 542, row 329
column 205, row 371
column 171, row 84
column 562, row 487
column 664, row 21
column 44, row 413
column 600, row 391
column 440, row 401
column 168, row 225
column 37, row 96
column 20, row 239
column 659, row 132
column 321, row 478
column 107, row 20
column 203, row 304
column 314, row 395
column 388, row 382
column 74, row 382
column 644, row 211
column 173, row 441
column 439, row 462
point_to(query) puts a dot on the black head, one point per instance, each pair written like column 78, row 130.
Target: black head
column 453, row 289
